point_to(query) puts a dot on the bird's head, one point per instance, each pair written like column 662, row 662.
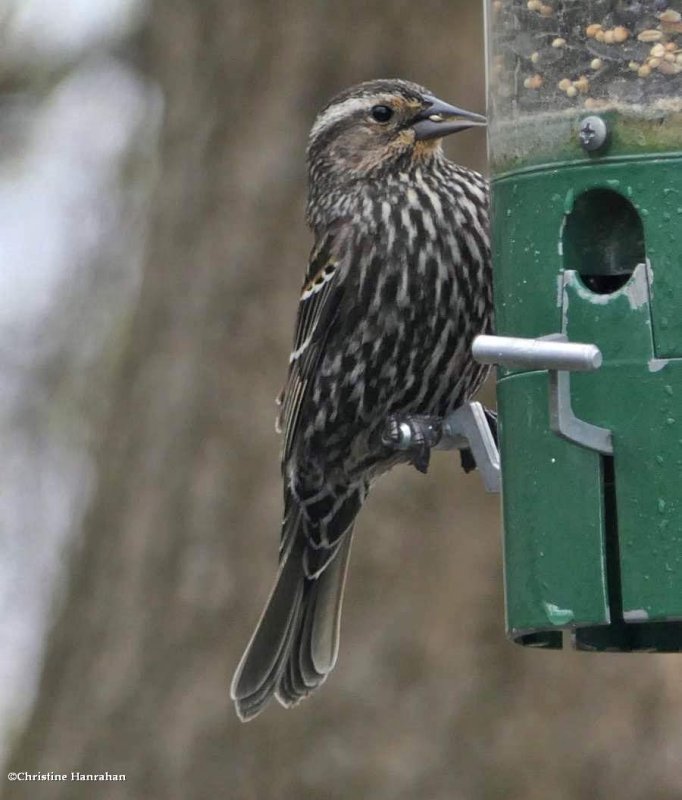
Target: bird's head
column 375, row 125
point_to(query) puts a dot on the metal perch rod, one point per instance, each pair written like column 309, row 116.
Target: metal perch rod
column 545, row 353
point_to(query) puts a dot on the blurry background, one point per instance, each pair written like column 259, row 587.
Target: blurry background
column 152, row 245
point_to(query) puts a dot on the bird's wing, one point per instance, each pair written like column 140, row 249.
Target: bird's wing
column 317, row 309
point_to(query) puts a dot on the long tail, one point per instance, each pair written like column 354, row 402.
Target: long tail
column 296, row 642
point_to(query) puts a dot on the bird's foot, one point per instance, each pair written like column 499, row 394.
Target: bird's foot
column 414, row 434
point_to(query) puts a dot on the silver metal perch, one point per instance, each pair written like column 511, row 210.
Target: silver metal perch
column 560, row 357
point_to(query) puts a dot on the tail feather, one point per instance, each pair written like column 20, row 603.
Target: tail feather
column 266, row 653
column 295, row 644
column 250, row 705
column 324, row 639
column 315, row 649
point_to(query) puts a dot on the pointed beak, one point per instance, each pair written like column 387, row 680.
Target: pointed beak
column 441, row 119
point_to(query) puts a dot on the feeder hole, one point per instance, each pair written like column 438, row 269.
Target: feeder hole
column 603, row 240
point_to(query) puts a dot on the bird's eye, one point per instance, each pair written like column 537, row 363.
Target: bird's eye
column 382, row 113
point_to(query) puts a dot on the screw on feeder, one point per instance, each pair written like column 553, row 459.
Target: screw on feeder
column 593, row 133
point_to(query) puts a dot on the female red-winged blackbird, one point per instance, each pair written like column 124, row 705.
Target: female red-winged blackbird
column 398, row 285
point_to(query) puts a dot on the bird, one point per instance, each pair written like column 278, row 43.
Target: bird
column 397, row 286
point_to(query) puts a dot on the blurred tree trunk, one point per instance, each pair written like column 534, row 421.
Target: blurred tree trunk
column 179, row 547
column 180, row 542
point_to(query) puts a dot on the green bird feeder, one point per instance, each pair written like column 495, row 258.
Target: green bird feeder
column 585, row 145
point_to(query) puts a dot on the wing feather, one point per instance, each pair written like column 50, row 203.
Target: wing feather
column 317, row 310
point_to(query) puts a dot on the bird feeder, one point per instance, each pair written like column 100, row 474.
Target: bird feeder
column 585, row 146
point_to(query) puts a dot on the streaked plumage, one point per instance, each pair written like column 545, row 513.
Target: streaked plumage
column 397, row 287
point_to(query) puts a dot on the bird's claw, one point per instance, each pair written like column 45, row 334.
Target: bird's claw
column 415, row 435
column 421, row 456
